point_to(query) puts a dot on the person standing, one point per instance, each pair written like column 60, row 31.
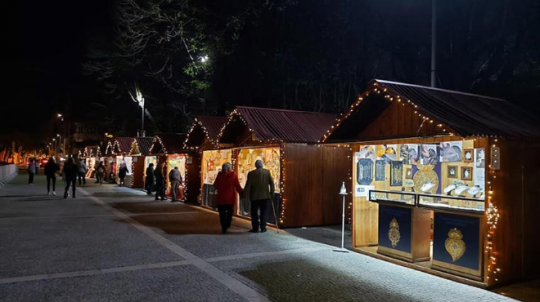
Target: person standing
column 100, row 173
column 260, row 189
column 33, row 169
column 122, row 172
column 149, row 181
column 227, row 185
column 81, row 172
column 51, row 168
column 159, row 175
column 70, row 172
column 176, row 179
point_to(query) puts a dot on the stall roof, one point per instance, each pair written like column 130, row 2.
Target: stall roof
column 465, row 113
column 282, row 125
column 123, row 144
column 91, row 151
column 212, row 124
column 168, row 143
column 144, row 144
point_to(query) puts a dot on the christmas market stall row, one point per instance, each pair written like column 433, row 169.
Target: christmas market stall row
column 168, row 148
column 307, row 176
column 121, row 148
column 444, row 181
column 202, row 136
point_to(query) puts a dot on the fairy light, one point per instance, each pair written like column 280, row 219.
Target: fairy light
column 492, row 214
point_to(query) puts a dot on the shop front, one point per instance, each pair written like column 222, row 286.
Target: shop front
column 307, row 176
column 168, row 148
column 139, row 151
column 122, row 148
column 431, row 176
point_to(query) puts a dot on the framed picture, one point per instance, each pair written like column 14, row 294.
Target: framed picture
column 452, row 172
column 396, row 173
column 466, row 173
column 408, row 173
column 468, row 155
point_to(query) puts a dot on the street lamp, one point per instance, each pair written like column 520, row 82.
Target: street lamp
column 204, row 59
column 139, row 99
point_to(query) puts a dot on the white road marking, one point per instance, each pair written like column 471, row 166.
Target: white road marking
column 238, row 287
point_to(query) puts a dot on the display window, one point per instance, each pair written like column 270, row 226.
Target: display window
column 211, row 164
column 442, row 175
column 269, row 156
column 149, row 160
column 129, row 164
column 177, row 160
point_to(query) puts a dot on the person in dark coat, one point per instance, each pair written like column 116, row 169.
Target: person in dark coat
column 100, row 173
column 70, row 172
column 175, row 178
column 159, row 175
column 149, row 181
column 51, row 168
column 122, row 173
column 260, row 190
column 227, row 185
column 33, row 168
column 81, row 172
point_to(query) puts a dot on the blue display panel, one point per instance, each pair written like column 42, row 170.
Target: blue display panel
column 395, row 228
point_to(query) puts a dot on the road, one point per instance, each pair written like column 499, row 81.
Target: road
column 116, row 244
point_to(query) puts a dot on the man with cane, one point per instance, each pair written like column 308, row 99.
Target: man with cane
column 260, row 190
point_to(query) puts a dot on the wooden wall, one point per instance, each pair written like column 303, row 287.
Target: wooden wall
column 515, row 192
column 312, row 178
column 138, row 172
column 193, row 178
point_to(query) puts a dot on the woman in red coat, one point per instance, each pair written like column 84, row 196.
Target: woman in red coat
column 227, row 186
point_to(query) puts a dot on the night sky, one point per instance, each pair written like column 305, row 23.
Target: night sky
column 282, row 58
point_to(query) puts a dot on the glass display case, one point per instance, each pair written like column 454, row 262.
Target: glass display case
column 455, row 203
column 393, row 197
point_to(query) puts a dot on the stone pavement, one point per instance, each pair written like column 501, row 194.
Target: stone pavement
column 117, row 244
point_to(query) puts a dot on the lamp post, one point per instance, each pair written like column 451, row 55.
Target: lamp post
column 433, row 43
column 54, row 140
column 139, row 99
column 343, row 193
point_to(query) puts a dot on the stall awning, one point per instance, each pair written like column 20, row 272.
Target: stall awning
column 467, row 114
column 280, row 125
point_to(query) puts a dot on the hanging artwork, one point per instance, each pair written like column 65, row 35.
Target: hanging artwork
column 466, row 173
column 468, row 155
column 413, row 154
column 367, row 152
column 452, row 172
column 428, row 154
column 364, row 171
column 396, row 173
column 408, row 173
column 380, row 170
column 480, row 158
column 451, row 151
column 387, row 152
column 404, row 153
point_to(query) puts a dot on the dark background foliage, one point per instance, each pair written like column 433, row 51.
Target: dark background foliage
column 84, row 57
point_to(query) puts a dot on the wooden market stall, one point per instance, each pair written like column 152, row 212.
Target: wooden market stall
column 307, row 176
column 444, row 180
column 141, row 158
column 202, row 140
column 90, row 155
column 168, row 147
column 121, row 149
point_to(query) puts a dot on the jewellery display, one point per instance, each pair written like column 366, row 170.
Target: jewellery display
column 461, row 189
column 448, row 190
column 427, row 186
column 426, row 174
column 393, row 233
column 454, row 244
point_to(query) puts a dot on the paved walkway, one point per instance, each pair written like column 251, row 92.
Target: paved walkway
column 116, row 244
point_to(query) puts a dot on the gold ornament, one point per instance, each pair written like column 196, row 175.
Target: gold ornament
column 425, row 174
column 454, row 245
column 393, row 233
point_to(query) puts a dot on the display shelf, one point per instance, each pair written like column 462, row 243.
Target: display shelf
column 393, row 197
column 452, row 203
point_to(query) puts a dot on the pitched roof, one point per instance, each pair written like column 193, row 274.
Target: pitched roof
column 212, row 124
column 91, row 151
column 168, row 143
column 282, row 125
column 144, row 144
column 123, row 144
column 467, row 114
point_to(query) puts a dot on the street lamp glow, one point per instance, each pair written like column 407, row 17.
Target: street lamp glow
column 59, row 115
column 204, row 59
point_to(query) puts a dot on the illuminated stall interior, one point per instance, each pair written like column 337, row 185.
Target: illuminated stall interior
column 443, row 182
column 90, row 153
column 122, row 148
column 168, row 147
column 202, row 137
column 139, row 152
column 307, row 176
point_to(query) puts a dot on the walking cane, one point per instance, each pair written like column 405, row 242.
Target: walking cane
column 275, row 216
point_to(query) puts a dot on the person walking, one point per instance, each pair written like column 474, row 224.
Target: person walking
column 100, row 173
column 227, row 185
column 51, row 168
column 176, row 179
column 81, row 173
column 149, row 181
column 122, row 172
column 159, row 175
column 33, row 168
column 70, row 172
column 260, row 190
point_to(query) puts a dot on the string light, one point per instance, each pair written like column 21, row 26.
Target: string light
column 492, row 214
